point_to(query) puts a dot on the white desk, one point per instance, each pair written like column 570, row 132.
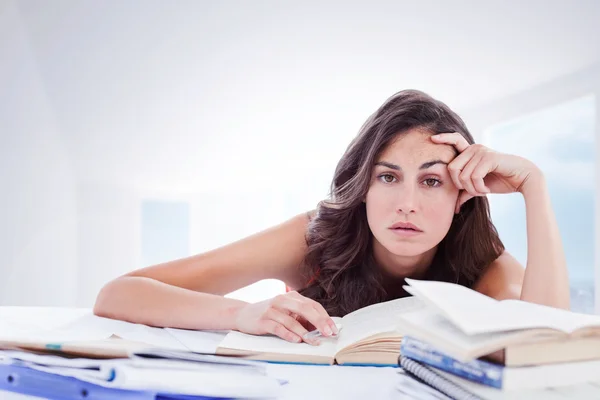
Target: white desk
column 326, row 382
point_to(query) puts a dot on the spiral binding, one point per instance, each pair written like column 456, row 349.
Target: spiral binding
column 435, row 380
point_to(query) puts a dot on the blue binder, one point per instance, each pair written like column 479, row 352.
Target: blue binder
column 31, row 382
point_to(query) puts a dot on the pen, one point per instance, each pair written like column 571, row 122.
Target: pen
column 316, row 333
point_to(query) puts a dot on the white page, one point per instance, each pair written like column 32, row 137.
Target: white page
column 216, row 382
column 475, row 313
column 374, row 319
column 273, row 344
column 471, row 311
column 22, row 330
column 59, row 325
column 333, row 382
column 429, row 326
column 106, row 327
column 205, row 341
column 188, row 358
column 102, row 369
column 35, row 323
column 545, row 316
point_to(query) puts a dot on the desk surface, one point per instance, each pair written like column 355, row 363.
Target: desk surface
column 305, row 381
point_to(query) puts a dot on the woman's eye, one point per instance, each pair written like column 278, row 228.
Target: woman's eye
column 432, row 182
column 387, row 178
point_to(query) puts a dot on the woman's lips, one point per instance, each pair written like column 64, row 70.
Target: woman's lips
column 405, row 232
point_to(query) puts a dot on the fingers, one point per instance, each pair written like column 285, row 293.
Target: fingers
column 481, row 170
column 457, row 165
column 468, row 171
column 307, row 309
column 287, row 327
column 466, row 176
column 455, row 139
column 275, row 328
column 320, row 309
column 472, row 177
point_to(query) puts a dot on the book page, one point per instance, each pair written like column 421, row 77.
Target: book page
column 274, row 344
column 26, row 326
column 475, row 313
column 40, row 318
column 107, row 327
column 556, row 318
column 374, row 319
column 205, row 341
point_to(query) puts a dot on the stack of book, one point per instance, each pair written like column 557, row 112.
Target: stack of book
column 464, row 336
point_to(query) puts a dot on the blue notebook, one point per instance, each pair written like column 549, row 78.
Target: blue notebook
column 479, row 371
column 31, row 382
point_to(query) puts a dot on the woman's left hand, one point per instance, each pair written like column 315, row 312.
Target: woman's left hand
column 478, row 170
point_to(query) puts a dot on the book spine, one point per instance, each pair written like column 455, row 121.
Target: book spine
column 476, row 370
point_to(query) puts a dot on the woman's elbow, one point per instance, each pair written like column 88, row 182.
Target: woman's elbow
column 105, row 305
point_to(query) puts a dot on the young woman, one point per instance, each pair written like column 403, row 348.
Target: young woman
column 407, row 200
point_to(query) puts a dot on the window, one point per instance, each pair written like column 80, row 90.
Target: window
column 165, row 231
column 560, row 140
column 222, row 218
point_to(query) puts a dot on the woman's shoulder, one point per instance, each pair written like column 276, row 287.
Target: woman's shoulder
column 502, row 279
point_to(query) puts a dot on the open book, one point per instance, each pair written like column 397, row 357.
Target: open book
column 368, row 336
column 466, row 325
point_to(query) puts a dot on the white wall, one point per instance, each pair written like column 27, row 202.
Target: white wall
column 108, row 236
column 227, row 105
column 597, row 208
column 38, row 199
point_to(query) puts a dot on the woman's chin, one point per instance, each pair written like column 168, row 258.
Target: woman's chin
column 407, row 249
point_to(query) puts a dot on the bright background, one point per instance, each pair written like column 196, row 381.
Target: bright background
column 138, row 131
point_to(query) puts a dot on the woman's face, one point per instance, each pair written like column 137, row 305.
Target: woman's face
column 410, row 184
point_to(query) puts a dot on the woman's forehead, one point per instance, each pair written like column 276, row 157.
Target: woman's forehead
column 417, row 147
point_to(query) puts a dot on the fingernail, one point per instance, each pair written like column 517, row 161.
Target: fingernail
column 327, row 330
column 335, row 329
column 297, row 339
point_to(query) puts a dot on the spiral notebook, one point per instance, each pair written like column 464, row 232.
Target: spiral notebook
column 435, row 380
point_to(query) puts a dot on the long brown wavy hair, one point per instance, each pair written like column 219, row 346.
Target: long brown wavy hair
column 341, row 271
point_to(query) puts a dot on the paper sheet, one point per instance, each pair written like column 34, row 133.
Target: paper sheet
column 274, row 344
column 378, row 318
column 198, row 341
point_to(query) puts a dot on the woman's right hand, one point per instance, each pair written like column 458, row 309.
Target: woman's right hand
column 287, row 316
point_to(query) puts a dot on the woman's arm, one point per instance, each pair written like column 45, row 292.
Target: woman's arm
column 478, row 171
column 545, row 280
column 148, row 301
column 188, row 293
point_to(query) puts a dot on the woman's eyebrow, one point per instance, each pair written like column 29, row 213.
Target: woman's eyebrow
column 432, row 163
column 389, row 165
column 425, row 165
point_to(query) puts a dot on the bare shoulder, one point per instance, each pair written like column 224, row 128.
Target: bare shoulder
column 503, row 279
column 274, row 253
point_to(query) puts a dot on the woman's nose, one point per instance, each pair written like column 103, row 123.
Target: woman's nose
column 407, row 201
